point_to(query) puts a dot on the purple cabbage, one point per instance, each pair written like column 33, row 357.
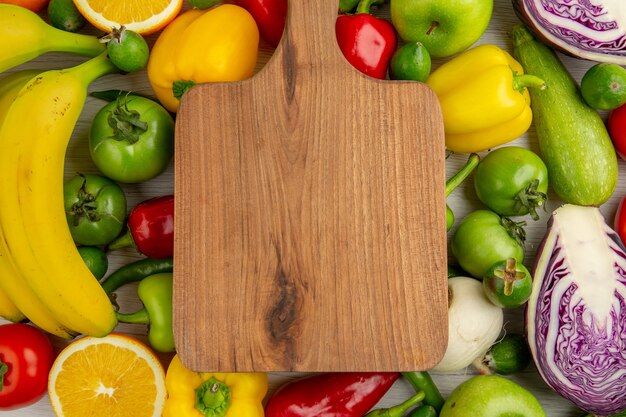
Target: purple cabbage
column 589, row 29
column 576, row 316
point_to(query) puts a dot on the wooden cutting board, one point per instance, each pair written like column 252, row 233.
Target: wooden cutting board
column 310, row 215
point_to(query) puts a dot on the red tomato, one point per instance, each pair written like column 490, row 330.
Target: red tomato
column 620, row 220
column 617, row 130
column 34, row 5
column 26, row 356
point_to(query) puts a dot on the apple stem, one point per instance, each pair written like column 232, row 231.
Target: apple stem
column 432, row 27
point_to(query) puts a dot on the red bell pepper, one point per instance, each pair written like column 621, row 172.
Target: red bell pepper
column 150, row 228
column 367, row 42
column 331, row 394
column 270, row 17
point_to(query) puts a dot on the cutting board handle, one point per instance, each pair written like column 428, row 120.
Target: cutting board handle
column 309, row 37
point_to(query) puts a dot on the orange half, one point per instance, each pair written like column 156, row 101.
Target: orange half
column 112, row 376
column 142, row 16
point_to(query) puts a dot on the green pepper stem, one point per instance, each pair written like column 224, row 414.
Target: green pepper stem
column 398, row 410
column 365, row 6
column 213, row 398
column 421, row 381
column 123, row 241
column 138, row 317
column 463, row 173
column 522, row 81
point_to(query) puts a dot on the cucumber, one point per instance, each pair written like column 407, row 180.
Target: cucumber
column 573, row 140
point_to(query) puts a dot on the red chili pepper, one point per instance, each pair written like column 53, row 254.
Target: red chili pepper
column 367, row 42
column 331, row 394
column 150, row 228
column 270, row 16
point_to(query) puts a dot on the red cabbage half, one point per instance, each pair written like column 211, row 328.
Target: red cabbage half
column 576, row 316
column 589, row 29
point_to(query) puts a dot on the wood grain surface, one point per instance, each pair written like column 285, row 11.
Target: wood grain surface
column 310, row 215
column 462, row 201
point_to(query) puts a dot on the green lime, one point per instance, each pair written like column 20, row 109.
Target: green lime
column 95, row 259
column 64, row 15
column 410, row 62
column 202, row 4
column 603, row 86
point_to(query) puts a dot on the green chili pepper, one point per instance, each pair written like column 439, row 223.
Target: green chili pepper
column 456, row 180
column 155, row 292
column 424, row 411
column 398, row 410
column 422, row 382
column 113, row 95
column 136, row 271
column 349, row 6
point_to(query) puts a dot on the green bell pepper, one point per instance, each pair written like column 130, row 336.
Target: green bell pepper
column 155, row 292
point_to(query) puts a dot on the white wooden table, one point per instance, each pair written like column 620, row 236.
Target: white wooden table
column 462, row 201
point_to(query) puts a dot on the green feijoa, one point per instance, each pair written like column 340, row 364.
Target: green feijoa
column 64, row 15
column 127, row 50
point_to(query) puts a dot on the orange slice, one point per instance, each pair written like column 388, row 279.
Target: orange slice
column 112, row 376
column 142, row 16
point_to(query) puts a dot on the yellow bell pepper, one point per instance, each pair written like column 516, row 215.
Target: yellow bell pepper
column 199, row 46
column 195, row 394
column 483, row 98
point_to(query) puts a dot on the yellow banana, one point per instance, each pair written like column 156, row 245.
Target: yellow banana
column 25, row 36
column 33, row 142
column 8, row 310
column 17, row 300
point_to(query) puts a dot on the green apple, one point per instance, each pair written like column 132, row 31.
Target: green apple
column 445, row 27
column 491, row 396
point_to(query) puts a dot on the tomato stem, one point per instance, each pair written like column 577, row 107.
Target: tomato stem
column 126, row 124
column 86, row 205
column 4, row 368
column 530, row 198
column 514, row 229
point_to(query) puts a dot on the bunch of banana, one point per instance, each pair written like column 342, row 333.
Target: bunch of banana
column 41, row 271
column 24, row 36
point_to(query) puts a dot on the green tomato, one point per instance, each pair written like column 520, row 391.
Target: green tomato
column 512, row 181
column 95, row 208
column 508, row 284
column 484, row 238
column 491, row 396
column 132, row 139
column 95, row 259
